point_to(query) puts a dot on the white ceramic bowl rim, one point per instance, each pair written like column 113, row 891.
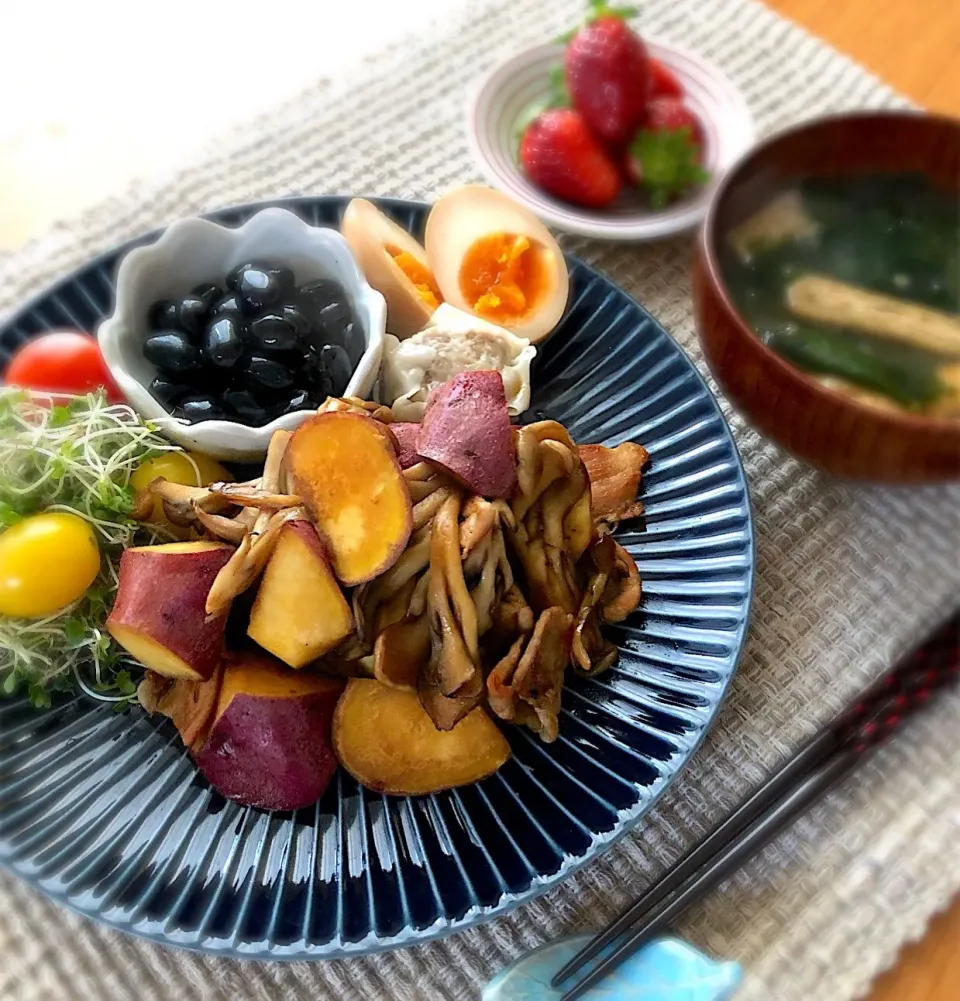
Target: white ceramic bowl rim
column 151, row 271
column 497, row 100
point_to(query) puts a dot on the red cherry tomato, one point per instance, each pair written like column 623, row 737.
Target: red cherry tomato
column 64, row 361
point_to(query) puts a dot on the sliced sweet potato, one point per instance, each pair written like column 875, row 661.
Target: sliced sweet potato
column 269, row 742
column 300, row 612
column 387, row 742
column 347, row 474
column 466, row 431
column 406, row 435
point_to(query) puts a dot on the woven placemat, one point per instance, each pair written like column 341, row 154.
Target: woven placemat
column 847, row 578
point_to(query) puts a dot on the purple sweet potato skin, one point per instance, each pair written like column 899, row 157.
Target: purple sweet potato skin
column 466, row 431
column 272, row 753
column 407, row 436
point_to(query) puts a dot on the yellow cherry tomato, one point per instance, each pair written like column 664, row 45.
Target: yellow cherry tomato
column 177, row 468
column 47, row 561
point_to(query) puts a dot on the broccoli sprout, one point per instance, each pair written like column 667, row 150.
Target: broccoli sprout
column 75, row 456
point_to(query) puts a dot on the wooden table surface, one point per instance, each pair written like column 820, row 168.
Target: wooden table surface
column 68, row 149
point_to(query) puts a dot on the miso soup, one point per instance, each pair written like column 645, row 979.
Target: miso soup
column 857, row 281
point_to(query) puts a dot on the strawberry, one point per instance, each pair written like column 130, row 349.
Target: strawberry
column 672, row 113
column 608, row 74
column 663, row 81
column 666, row 155
column 561, row 155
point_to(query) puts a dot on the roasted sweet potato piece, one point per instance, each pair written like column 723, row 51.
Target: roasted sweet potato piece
column 269, row 743
column 386, row 741
column 466, row 431
column 348, row 476
column 300, row 612
column 406, row 436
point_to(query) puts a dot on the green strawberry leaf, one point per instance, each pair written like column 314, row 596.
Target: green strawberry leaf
column 600, row 8
column 557, row 97
column 668, row 163
column 596, row 9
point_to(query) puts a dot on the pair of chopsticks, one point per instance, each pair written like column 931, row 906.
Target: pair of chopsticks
column 811, row 772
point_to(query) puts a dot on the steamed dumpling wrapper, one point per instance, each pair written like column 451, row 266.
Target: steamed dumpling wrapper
column 453, row 342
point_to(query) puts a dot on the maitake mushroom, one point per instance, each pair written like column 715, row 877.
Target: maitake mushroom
column 614, row 481
column 452, row 620
column 248, row 514
column 525, row 685
column 490, row 600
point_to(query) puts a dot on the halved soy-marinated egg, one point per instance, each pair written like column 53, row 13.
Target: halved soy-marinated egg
column 394, row 264
column 494, row 258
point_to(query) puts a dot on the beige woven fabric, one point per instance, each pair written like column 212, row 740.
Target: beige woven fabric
column 848, row 578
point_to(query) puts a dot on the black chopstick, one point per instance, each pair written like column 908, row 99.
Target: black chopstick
column 807, row 776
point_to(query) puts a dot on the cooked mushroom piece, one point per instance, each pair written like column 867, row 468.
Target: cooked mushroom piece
column 479, row 517
column 231, row 529
column 526, row 687
column 354, row 405
column 614, row 475
column 622, row 594
column 453, row 623
column 251, row 556
column 180, row 502
column 589, row 651
column 252, row 495
column 512, row 617
column 401, row 652
column 451, row 683
column 189, row 704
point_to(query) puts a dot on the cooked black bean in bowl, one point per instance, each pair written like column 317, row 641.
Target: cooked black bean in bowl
column 252, row 348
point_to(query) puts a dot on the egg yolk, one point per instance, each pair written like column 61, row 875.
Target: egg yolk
column 502, row 276
column 420, row 276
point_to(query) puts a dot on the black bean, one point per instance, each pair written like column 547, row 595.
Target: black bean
column 300, row 400
column 164, row 315
column 192, row 314
column 294, row 316
column 283, row 277
column 167, row 391
column 228, row 305
column 246, row 407
column 337, row 363
column 268, row 373
column 354, row 342
column 318, row 379
column 273, row 333
column 318, row 294
column 208, row 292
column 171, row 351
column 258, row 286
column 334, row 319
column 199, row 407
column 222, row 344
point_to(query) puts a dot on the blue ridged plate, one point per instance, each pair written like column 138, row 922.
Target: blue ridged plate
column 106, row 813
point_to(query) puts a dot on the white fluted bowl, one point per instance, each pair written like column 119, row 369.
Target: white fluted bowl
column 501, row 101
column 192, row 251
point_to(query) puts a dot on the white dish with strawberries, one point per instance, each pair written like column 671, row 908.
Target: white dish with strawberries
column 640, row 168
